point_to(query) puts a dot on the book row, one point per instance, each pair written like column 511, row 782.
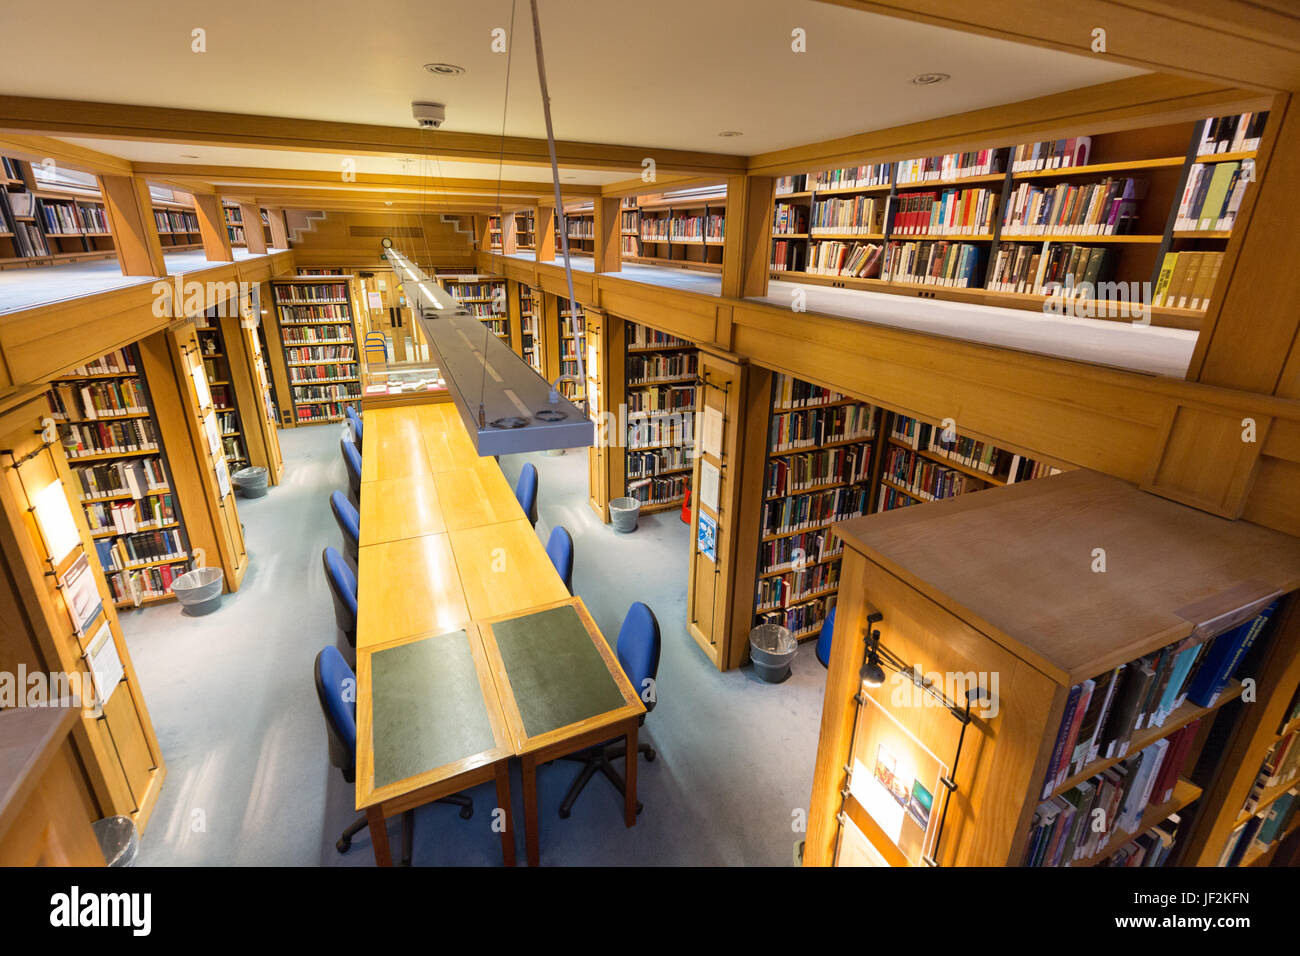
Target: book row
column 1105, row 208
column 117, row 396
column 798, row 551
column 787, row 256
column 821, row 426
column 856, row 214
column 971, row 452
column 926, row 479
column 642, row 464
column 299, row 374
column 1232, row 134
column 316, row 333
column 668, row 430
column 321, row 292
column 801, row 619
column 72, row 218
column 852, row 177
column 146, row 547
column 326, row 393
column 939, row 262
column 950, row 166
column 144, row 583
column 655, row 491
column 461, row 291
column 1212, row 197
column 647, row 369
column 1051, row 154
column 1102, row 714
column 1263, row 829
column 1081, row 822
column 137, row 478
column 789, row 219
column 789, row 392
column 176, row 221
column 953, row 212
column 789, row 474
column 1150, row 849
column 800, row 512
column 662, row 398
column 81, row 439
column 322, row 353
column 299, row 314
column 795, row 586
column 1280, row 767
column 1022, row 267
column 483, row 310
column 320, row 412
column 835, row 258
column 1186, row 279
column 643, row 337
column 127, row 517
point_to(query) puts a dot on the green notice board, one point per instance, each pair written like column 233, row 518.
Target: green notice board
column 557, row 675
column 427, row 706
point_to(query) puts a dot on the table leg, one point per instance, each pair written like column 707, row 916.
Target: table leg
column 379, row 836
column 530, row 808
column 503, row 801
column 629, row 775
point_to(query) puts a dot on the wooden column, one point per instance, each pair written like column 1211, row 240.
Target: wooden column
column 544, row 232
column 279, row 232
column 513, row 316
column 212, row 227
column 119, row 764
column 483, row 233
column 548, row 328
column 211, row 519
column 720, row 594
column 747, row 250
column 254, row 235
column 509, row 234
column 608, row 246
column 130, row 219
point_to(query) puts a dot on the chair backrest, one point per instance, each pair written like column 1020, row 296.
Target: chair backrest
column 352, row 459
column 336, row 689
column 638, row 651
column 348, row 520
column 526, row 491
column 559, row 546
column 824, row 639
column 355, row 419
column 343, row 589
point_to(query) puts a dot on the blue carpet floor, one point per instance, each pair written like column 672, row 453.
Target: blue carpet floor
column 249, row 781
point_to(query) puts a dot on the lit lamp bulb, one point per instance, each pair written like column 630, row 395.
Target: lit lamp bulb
column 873, row 675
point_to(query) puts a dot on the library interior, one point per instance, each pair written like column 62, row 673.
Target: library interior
column 846, row 386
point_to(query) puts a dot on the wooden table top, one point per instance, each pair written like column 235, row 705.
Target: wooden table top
column 447, row 554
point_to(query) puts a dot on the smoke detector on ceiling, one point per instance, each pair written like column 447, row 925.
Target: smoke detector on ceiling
column 429, row 115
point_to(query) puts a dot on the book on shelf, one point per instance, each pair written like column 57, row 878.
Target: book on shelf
column 785, row 185
column 950, row 166
column 858, row 260
column 1105, row 208
column 1062, row 830
column 1043, row 269
column 933, row 262
column 1239, row 133
column 952, row 212
column 852, row 177
column 93, row 438
column 1150, row 849
column 787, row 256
column 1051, row 154
column 788, row 218
column 1213, row 195
column 1186, row 279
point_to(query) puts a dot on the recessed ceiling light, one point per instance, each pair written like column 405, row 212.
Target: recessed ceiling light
column 731, row 132
column 445, row 69
column 388, row 202
column 929, row 79
column 189, row 156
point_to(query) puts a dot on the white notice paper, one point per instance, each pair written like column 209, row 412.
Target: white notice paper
column 711, row 432
column 709, row 481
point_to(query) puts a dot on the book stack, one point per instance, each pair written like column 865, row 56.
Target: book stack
column 1105, row 208
column 1186, row 279
column 1064, row 828
column 1021, row 267
column 1052, row 154
column 1232, row 134
column 939, row 262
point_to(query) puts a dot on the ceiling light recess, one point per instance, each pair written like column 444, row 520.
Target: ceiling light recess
column 507, row 407
column 930, row 79
column 731, row 132
column 445, row 69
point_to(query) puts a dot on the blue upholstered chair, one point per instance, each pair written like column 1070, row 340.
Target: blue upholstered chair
column 336, row 689
column 349, row 522
column 354, row 419
column 824, row 639
column 352, row 460
column 559, row 547
column 526, row 491
column 343, row 589
column 638, row 654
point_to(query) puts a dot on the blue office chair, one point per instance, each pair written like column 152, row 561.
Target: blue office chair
column 349, row 522
column 343, row 590
column 638, row 654
column 526, row 491
column 824, row 639
column 354, row 419
column 352, row 459
column 336, row 691
column 559, row 547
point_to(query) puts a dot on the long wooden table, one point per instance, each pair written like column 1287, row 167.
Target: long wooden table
column 448, row 558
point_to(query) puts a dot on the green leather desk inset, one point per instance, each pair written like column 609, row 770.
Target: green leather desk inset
column 558, row 676
column 428, row 708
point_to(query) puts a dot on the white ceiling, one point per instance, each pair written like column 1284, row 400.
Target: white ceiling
column 666, row 74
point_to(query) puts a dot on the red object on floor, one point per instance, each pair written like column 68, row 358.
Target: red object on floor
column 686, row 507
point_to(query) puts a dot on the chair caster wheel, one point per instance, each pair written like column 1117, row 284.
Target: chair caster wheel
column 343, row 845
column 650, row 756
column 466, row 812
column 564, row 814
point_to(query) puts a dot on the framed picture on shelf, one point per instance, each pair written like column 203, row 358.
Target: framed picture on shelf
column 895, row 782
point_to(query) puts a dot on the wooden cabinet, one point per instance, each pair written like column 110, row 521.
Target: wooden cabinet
column 1025, row 591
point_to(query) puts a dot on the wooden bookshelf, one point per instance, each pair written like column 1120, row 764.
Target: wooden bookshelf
column 660, row 441
column 532, row 342
column 234, row 224
column 821, row 452
column 316, row 312
column 524, row 230
column 685, row 228
column 827, row 224
column 42, row 224
column 483, row 296
column 121, row 477
column 216, row 365
column 984, row 586
column 566, row 350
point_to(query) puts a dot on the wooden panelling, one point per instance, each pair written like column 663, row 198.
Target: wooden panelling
column 212, row 227
column 333, row 240
column 1208, row 459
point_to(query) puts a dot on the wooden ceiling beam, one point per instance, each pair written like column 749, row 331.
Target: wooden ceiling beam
column 166, row 125
column 1245, row 43
column 37, row 149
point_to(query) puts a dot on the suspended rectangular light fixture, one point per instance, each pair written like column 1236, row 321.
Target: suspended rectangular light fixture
column 506, row 406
